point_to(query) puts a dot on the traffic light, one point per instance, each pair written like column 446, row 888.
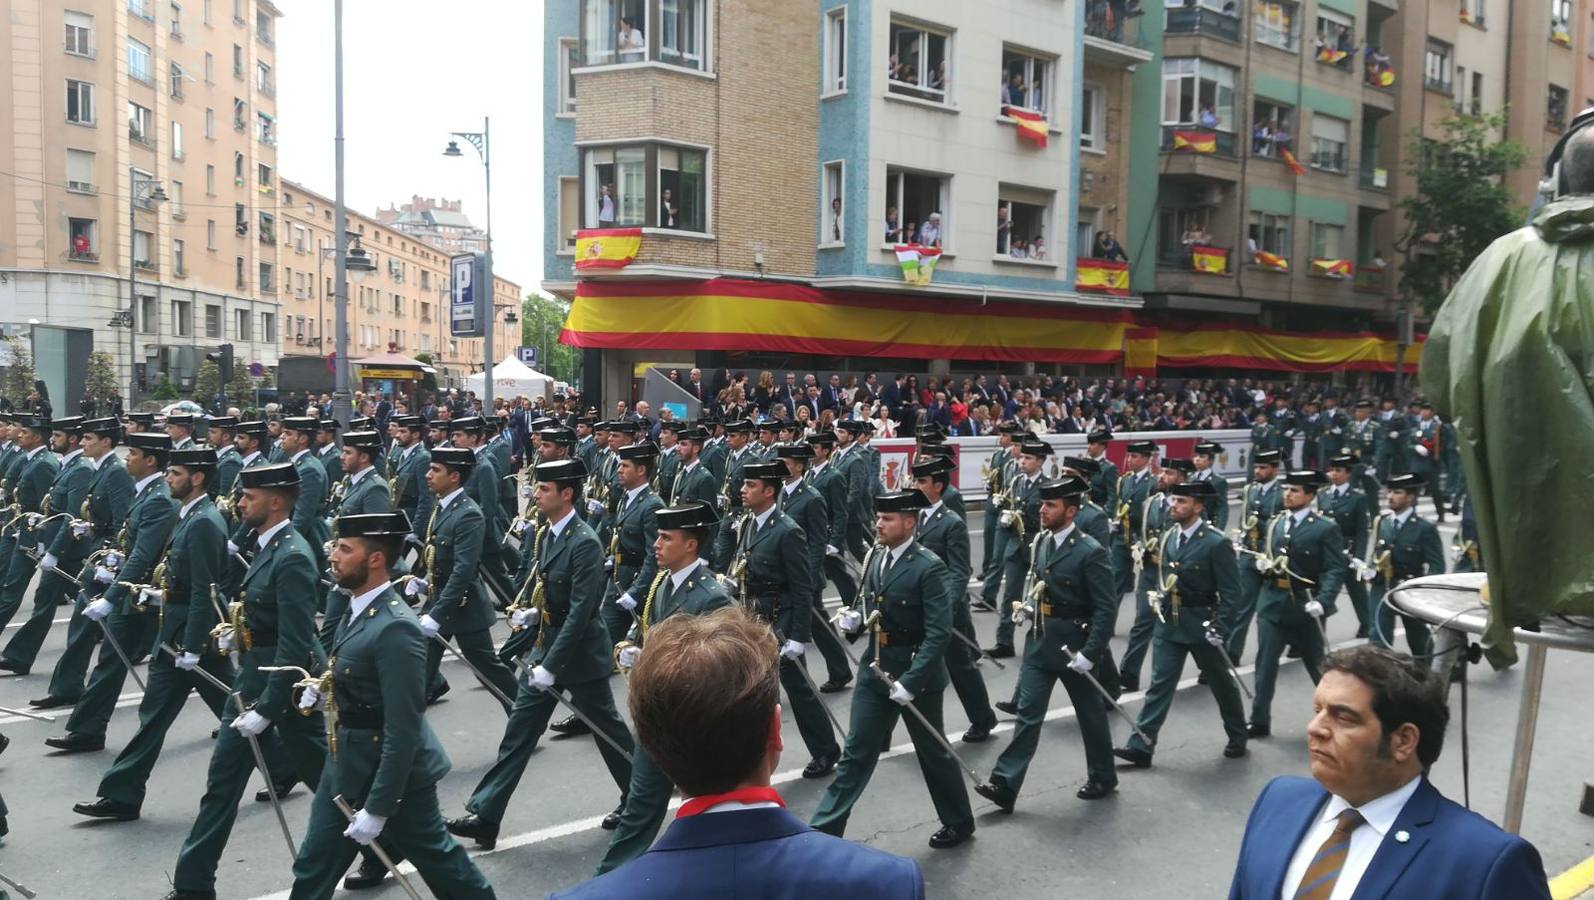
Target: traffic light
column 222, row 357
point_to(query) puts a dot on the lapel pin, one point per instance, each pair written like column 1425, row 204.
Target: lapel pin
column 1402, row 836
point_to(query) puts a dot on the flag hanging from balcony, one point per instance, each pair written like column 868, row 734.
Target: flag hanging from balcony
column 1272, row 261
column 607, row 248
column 1296, row 168
column 1211, row 260
column 918, row 263
column 1386, row 78
column 1031, row 125
column 1332, row 268
column 1102, row 276
column 1195, row 141
column 1331, row 55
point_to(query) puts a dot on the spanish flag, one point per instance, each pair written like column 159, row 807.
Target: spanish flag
column 1102, row 276
column 1386, row 78
column 1196, row 141
column 1211, row 260
column 1332, row 268
column 1295, row 166
column 607, row 248
column 1031, row 125
column 1331, row 55
column 1272, row 261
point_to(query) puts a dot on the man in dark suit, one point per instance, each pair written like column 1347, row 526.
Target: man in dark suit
column 1372, row 824
column 733, row 836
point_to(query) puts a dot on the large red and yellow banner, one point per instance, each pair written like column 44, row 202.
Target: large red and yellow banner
column 607, row 248
column 1252, row 347
column 1102, row 276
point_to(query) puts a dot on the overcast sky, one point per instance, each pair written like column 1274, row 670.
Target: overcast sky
column 413, row 72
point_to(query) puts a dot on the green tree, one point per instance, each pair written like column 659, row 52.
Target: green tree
column 19, row 374
column 241, row 389
column 207, row 381
column 1460, row 205
column 542, row 318
column 428, row 380
column 100, row 379
column 165, row 392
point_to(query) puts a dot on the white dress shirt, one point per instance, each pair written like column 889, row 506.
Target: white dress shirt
column 1059, row 536
column 679, row 578
column 269, row 533
column 1380, row 816
column 358, row 604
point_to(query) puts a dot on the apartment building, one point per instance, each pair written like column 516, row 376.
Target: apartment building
column 140, row 141
column 439, row 222
column 401, row 307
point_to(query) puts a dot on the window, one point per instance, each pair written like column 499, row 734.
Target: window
column 613, row 31
column 268, row 284
column 920, row 64
column 263, row 80
column 263, row 175
column 182, row 318
column 143, row 186
column 832, row 185
column 298, row 241
column 79, row 102
column 210, row 234
column 1274, row 24
column 569, row 217
column 1269, row 234
column 1555, row 108
column 138, row 60
column 205, row 12
column 263, row 26
column 237, row 61
column 177, row 21
column 1326, row 240
column 239, row 272
column 79, row 33
column 210, row 68
column 1436, row 66
column 140, row 8
column 1561, row 22
column 210, row 123
column 569, row 59
column 1085, row 229
column 1330, row 136
column 616, row 186
column 916, row 201
column 265, row 129
column 176, row 76
column 683, row 190
column 1026, row 82
column 268, row 327
column 240, row 216
column 83, row 239
column 143, row 242
column 268, row 228
column 238, row 169
column 210, row 180
column 1092, row 117
column 1272, row 128
column 244, row 324
column 1477, row 93
column 1022, row 217
column 682, row 25
column 178, row 264
column 1472, row 12
column 140, row 121
column 212, row 321
column 177, row 139
column 836, row 50
column 1197, row 92
column 80, row 171
column 148, row 318
column 175, row 196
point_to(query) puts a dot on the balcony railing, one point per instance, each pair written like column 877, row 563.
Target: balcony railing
column 1191, row 139
column 83, row 256
column 1375, row 177
column 1200, row 20
column 1370, row 280
column 1110, row 20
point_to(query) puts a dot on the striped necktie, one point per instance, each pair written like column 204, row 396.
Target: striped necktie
column 1318, row 882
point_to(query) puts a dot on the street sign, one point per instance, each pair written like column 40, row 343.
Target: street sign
column 256, row 370
column 471, row 292
column 527, row 355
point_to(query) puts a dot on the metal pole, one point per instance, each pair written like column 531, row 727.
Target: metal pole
column 1527, row 724
column 132, row 291
column 342, row 398
column 492, row 311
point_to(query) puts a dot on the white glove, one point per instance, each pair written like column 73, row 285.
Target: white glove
column 104, row 575
column 413, row 538
column 98, row 610
column 1213, row 638
column 186, row 661
column 1080, row 664
column 628, row 656
column 1264, row 565
column 416, row 587
column 517, row 527
column 539, row 679
column 1393, row 435
column 520, row 617
column 1115, row 525
column 791, row 649
column 1023, row 614
column 365, row 827
column 608, row 564
column 1421, row 450
column 41, row 550
column 49, row 562
column 114, row 559
column 251, row 724
column 832, row 550
column 1314, row 609
column 231, row 548
column 851, row 621
column 526, row 492
column 594, row 508
column 80, row 529
column 627, row 602
column 430, row 627
column 900, row 695
column 1369, row 573
column 225, row 642
column 311, row 698
column 151, row 596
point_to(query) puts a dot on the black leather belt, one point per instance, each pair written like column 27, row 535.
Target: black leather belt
column 369, row 718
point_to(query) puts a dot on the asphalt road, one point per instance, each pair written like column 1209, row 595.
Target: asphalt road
column 1172, row 830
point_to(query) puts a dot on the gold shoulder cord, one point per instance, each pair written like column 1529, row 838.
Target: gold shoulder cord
column 647, row 604
column 535, row 581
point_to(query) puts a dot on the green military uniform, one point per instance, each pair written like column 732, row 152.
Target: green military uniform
column 407, row 485
column 1202, row 590
column 483, row 488
column 1104, row 484
column 946, row 534
column 309, row 511
column 1351, row 510
column 804, row 505
column 1214, row 506
column 1425, row 449
column 35, row 489
column 1310, row 428
column 907, row 587
column 331, row 459
column 1314, row 551
column 586, row 450
column 1331, row 433
column 1259, row 503
column 1391, row 458
column 1154, row 520
column 456, row 600
column 1285, row 424
column 1021, row 519
column 1362, row 440
column 831, row 485
column 631, row 564
column 387, row 761
column 852, row 464
column 1263, row 437
column 648, row 797
column 694, row 482
column 1466, row 552
column 1129, row 521
column 228, row 464
column 715, row 452
column 1404, row 547
column 664, row 478
column 362, row 493
column 730, row 506
column 272, row 624
column 997, row 472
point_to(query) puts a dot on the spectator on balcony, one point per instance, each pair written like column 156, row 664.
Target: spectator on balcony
column 1208, row 117
column 1018, row 250
column 835, row 219
column 632, row 44
column 891, row 68
column 930, row 235
column 1013, row 90
column 605, row 206
column 668, row 211
column 1282, row 140
column 910, row 232
column 1378, row 263
column 893, row 229
column 1037, row 248
column 1262, row 139
column 1004, row 221
column 938, row 78
column 1107, row 247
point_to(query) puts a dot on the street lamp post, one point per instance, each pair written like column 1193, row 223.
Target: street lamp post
column 482, row 141
column 341, row 396
column 155, row 194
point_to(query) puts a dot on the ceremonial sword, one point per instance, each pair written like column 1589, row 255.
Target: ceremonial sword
column 376, row 848
column 564, row 699
column 18, row 886
column 475, row 671
column 1103, row 691
column 802, row 669
column 1233, row 670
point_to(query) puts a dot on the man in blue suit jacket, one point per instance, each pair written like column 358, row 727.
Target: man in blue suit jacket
column 733, row 837
column 1372, row 825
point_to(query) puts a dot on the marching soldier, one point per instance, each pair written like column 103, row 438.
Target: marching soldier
column 271, row 623
column 139, row 547
column 453, row 601
column 1468, row 554
column 1215, row 504
column 1070, row 611
column 1310, row 427
column 1134, row 486
column 385, row 761
column 222, row 430
column 180, row 427
column 630, row 562
column 906, row 615
column 825, row 478
column 1424, row 455
column 804, row 505
column 409, row 463
column 483, row 488
column 570, row 661
column 1405, row 546
column 1145, row 553
column 1259, row 503
column 1302, row 566
column 555, row 443
column 32, row 484
column 998, row 470
column 1264, row 436
column 275, row 452
column 83, row 538
column 770, row 573
column 1351, row 510
column 932, row 442
column 1092, row 519
column 587, row 442
column 683, row 586
column 298, row 433
column 852, row 463
column 768, row 430
column 182, row 599
column 693, row 479
column 669, row 460
column 1286, row 425
column 715, row 447
column 1331, row 440
column 1197, row 590
column 945, row 534
column 361, row 491
column 1362, row 439
column 1103, row 485
column 1391, row 441
column 326, row 448
column 9, row 454
column 1020, row 518
column 738, row 456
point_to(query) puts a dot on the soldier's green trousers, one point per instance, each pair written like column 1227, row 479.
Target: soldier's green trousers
column 646, row 804
column 416, row 830
column 19, row 569
column 477, row 648
column 135, row 632
column 1299, row 631
column 1015, row 569
column 1167, row 666
column 874, row 715
column 1418, row 638
column 962, row 668
column 837, row 666
column 53, row 587
column 1250, row 589
column 528, row 719
column 1141, row 629
column 1035, row 682
column 166, row 691
column 1356, row 590
column 82, row 636
column 807, row 710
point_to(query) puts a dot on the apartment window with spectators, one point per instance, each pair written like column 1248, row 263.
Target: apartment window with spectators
column 832, row 211
column 1555, row 108
column 79, row 33
column 1272, row 128
column 1023, row 217
column 83, row 239
column 140, row 124
column 614, row 31
column 916, row 208
column 1327, row 240
column 1269, row 233
column 1026, row 81
column 1198, row 91
column 1330, row 137
column 920, row 64
column 79, row 102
